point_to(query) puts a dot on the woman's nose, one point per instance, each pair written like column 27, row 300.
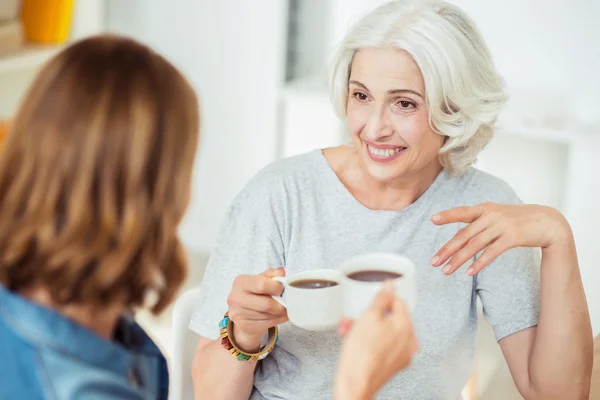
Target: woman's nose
column 378, row 126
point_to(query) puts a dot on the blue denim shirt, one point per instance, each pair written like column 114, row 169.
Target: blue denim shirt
column 46, row 356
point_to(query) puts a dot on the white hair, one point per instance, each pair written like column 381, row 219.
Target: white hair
column 464, row 92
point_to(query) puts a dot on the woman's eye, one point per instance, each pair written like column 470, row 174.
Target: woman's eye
column 360, row 96
column 405, row 104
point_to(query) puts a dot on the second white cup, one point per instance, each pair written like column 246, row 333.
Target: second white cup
column 363, row 276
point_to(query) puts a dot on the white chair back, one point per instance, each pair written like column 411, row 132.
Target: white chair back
column 184, row 343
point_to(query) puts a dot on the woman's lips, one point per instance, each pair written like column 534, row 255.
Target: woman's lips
column 385, row 153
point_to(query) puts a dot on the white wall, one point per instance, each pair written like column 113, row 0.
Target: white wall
column 583, row 198
column 307, row 118
column 233, row 53
column 89, row 18
column 546, row 46
column 534, row 168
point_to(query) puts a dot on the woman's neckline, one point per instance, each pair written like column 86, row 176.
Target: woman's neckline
column 342, row 190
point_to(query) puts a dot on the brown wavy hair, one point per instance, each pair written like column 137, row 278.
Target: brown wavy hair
column 95, row 177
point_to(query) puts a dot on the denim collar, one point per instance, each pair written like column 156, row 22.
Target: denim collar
column 44, row 327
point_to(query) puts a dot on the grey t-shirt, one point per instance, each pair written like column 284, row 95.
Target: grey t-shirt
column 296, row 213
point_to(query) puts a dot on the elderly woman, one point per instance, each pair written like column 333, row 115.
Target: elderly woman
column 417, row 88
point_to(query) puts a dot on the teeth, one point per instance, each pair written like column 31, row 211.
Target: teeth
column 384, row 152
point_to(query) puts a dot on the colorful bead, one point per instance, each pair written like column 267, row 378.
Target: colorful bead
column 224, row 322
column 226, row 343
column 230, row 346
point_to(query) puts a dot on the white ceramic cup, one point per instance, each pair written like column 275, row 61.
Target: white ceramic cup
column 312, row 309
column 357, row 296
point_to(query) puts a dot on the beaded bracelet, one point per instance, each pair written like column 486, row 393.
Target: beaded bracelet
column 226, row 326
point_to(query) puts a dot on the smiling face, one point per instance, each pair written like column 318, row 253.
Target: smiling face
column 388, row 117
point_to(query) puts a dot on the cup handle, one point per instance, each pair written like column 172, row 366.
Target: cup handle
column 279, row 299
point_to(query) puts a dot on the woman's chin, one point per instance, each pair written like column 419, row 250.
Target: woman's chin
column 385, row 174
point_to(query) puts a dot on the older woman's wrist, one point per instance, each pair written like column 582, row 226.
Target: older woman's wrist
column 562, row 253
column 564, row 247
column 561, row 230
column 246, row 343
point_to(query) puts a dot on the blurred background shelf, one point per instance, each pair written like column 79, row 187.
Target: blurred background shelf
column 30, row 57
column 18, row 68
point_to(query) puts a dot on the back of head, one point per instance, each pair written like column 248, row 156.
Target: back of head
column 464, row 92
column 95, row 177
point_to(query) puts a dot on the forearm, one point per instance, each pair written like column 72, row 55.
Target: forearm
column 345, row 388
column 560, row 362
column 346, row 394
column 218, row 375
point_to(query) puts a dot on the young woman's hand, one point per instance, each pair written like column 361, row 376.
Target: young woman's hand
column 376, row 347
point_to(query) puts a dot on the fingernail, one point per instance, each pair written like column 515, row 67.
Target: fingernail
column 447, row 268
column 436, row 218
column 388, row 286
column 434, row 260
column 470, row 272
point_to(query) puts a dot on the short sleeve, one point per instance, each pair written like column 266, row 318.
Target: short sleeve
column 249, row 242
column 509, row 289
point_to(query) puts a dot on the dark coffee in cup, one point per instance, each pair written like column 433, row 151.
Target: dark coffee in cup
column 313, row 283
column 363, row 276
column 373, row 275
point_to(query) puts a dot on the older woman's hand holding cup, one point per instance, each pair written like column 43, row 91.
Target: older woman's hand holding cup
column 253, row 309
